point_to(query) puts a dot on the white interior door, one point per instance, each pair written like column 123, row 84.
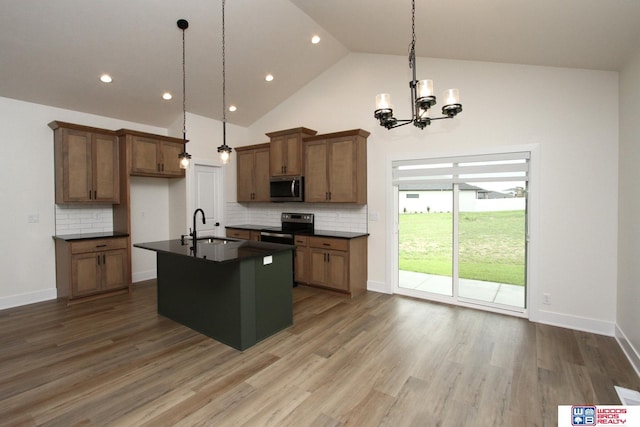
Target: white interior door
column 207, row 191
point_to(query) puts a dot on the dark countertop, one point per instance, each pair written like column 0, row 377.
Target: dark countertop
column 86, row 236
column 318, row 233
column 222, row 250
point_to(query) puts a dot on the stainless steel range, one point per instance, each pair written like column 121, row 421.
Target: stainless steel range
column 291, row 223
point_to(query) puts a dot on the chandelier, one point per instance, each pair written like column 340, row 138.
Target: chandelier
column 185, row 158
column 422, row 97
column 224, row 150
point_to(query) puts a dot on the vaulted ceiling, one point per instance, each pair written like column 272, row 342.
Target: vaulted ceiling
column 53, row 52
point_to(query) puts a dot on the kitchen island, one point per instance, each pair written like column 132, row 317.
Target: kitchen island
column 238, row 292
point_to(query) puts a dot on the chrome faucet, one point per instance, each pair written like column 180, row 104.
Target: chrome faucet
column 194, row 234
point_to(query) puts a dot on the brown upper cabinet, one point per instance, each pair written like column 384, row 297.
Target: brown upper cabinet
column 86, row 164
column 336, row 167
column 286, row 151
column 153, row 155
column 253, row 173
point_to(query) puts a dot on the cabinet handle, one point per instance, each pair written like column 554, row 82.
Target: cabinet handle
column 104, row 259
column 101, row 246
column 98, row 259
column 89, row 194
column 161, row 167
column 328, row 257
column 158, row 167
column 329, row 195
column 95, row 194
column 326, row 244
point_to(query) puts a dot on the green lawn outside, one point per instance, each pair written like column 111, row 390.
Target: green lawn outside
column 491, row 245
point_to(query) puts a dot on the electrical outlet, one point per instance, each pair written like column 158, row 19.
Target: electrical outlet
column 546, row 298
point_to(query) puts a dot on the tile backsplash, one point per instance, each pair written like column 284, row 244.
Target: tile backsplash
column 327, row 217
column 82, row 219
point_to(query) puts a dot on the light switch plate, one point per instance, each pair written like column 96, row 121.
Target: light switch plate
column 267, row 260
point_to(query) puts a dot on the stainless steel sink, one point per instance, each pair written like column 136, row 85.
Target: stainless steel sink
column 213, row 240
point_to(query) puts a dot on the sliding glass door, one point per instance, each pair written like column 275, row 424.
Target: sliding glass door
column 462, row 229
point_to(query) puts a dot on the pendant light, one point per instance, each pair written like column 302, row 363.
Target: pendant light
column 422, row 95
column 185, row 158
column 224, row 149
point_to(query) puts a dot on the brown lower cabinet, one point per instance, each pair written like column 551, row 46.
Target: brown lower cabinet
column 241, row 233
column 332, row 263
column 92, row 267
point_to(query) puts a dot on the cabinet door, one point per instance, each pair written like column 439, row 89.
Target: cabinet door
column 277, row 156
column 337, row 267
column 145, row 155
column 261, row 175
column 245, row 175
column 301, row 264
column 85, row 274
column 170, row 164
column 316, row 185
column 342, row 158
column 114, row 269
column 293, row 156
column 76, row 168
column 317, row 266
column 105, row 168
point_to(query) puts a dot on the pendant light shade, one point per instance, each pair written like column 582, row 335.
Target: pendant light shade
column 224, row 150
column 185, row 158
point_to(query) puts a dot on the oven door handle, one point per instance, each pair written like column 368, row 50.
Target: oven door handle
column 283, row 236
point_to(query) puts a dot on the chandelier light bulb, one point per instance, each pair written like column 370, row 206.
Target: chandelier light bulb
column 425, row 88
column 451, row 96
column 383, row 101
column 184, row 163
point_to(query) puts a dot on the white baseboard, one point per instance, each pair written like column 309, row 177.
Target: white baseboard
column 632, row 353
column 141, row 276
column 28, row 298
column 378, row 287
column 577, row 323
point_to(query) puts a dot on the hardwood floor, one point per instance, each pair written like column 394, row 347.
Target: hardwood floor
column 374, row 360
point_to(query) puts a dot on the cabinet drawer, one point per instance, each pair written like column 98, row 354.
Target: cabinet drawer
column 301, row 240
column 329, row 243
column 98, row 245
column 239, row 233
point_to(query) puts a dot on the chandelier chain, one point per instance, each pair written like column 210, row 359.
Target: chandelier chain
column 224, row 89
column 184, row 90
column 412, row 49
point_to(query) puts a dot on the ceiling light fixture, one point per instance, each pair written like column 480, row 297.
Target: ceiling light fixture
column 315, row 39
column 106, row 78
column 269, row 77
column 232, row 108
column 185, row 158
column 422, row 97
column 167, row 96
column 224, row 149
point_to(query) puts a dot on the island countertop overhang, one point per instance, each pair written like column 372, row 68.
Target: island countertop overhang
column 216, row 249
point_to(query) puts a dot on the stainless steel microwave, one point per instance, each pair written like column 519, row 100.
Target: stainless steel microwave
column 287, row 189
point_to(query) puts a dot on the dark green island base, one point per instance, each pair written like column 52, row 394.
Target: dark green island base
column 235, row 291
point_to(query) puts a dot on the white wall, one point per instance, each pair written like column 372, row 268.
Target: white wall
column 628, row 316
column 571, row 115
column 27, row 257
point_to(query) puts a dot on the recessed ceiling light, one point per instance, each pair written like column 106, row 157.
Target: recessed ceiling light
column 269, row 77
column 232, row 108
column 106, row 78
column 167, row 96
column 315, row 39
